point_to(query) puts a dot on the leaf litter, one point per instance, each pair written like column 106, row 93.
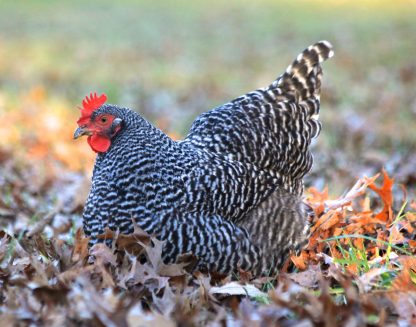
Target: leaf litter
column 358, row 268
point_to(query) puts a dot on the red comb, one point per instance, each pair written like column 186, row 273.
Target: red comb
column 89, row 104
column 93, row 102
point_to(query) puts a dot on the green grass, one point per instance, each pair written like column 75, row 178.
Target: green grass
column 388, row 244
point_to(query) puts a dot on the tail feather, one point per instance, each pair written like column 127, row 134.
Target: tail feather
column 271, row 127
column 301, row 83
column 302, row 79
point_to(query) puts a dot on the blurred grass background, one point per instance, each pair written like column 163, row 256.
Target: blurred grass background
column 171, row 60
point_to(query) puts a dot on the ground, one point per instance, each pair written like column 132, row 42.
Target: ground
column 171, row 61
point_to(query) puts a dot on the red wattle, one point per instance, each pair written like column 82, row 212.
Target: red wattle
column 99, row 143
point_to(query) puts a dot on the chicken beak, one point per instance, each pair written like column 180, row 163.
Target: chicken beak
column 80, row 131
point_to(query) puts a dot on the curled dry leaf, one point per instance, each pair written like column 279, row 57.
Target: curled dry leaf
column 154, row 254
column 234, row 288
column 103, row 254
column 386, row 194
column 80, row 250
column 307, row 278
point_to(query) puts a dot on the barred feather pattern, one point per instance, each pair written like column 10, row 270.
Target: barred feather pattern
column 230, row 192
column 271, row 127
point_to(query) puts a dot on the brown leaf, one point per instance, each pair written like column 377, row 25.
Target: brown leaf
column 131, row 243
column 103, row 254
column 308, row 278
column 80, row 250
column 364, row 281
column 4, row 242
column 137, row 317
column 51, row 296
column 154, row 253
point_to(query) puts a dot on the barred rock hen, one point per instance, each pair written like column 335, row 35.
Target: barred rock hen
column 230, row 192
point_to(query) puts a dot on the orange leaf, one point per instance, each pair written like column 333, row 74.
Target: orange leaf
column 404, row 281
column 317, row 199
column 410, row 222
column 316, row 196
column 335, row 253
column 403, row 288
column 386, row 195
column 396, row 236
column 80, row 251
column 364, row 220
column 359, row 243
column 300, row 260
column 352, row 268
column 328, row 220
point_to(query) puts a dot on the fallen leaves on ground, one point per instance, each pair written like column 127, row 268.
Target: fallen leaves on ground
column 357, row 269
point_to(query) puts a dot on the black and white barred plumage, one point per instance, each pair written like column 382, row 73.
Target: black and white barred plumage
column 230, row 191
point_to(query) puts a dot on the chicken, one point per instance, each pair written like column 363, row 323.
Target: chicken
column 230, row 192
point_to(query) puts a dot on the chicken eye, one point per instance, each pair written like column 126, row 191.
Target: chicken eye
column 103, row 119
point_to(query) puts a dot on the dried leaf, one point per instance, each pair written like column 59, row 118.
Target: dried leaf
column 234, row 288
column 154, row 253
column 386, row 194
column 300, row 261
column 103, row 254
column 80, row 251
column 51, row 296
column 308, row 278
column 4, row 242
